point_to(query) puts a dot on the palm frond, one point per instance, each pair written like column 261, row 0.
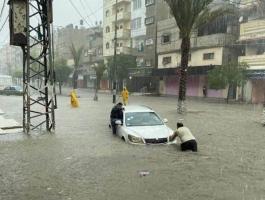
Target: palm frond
column 186, row 13
column 209, row 15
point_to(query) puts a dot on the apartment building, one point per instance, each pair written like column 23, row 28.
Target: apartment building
column 252, row 39
column 92, row 42
column 211, row 46
column 123, row 10
column 138, row 30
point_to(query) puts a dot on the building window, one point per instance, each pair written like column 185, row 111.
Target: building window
column 107, row 13
column 149, row 2
column 166, row 60
column 208, row 56
column 107, row 45
column 107, row 29
column 148, row 63
column 136, row 23
column 166, row 38
column 137, row 4
column 140, row 46
column 149, row 20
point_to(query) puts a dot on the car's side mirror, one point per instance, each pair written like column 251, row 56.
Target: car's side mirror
column 118, row 122
column 165, row 121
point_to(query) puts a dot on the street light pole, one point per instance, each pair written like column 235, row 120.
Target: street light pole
column 115, row 57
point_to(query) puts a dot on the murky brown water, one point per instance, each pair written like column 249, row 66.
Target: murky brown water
column 84, row 161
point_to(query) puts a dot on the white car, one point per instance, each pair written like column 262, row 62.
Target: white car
column 141, row 125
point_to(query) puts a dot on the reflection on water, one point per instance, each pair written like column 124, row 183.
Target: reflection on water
column 82, row 160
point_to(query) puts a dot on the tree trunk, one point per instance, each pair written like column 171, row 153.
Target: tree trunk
column 96, row 90
column 75, row 77
column 60, row 87
column 185, row 49
column 228, row 93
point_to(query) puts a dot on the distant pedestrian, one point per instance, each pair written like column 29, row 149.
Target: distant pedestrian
column 73, row 99
column 204, row 91
column 188, row 141
column 125, row 96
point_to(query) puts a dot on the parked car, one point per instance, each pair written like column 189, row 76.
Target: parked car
column 142, row 125
column 12, row 90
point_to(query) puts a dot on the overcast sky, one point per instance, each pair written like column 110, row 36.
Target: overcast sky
column 65, row 14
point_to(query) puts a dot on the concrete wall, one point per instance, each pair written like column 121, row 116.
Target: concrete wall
column 196, row 58
column 170, row 86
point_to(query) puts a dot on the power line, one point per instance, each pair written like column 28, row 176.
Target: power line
column 84, row 8
column 4, row 23
column 2, row 10
column 78, row 12
column 90, row 9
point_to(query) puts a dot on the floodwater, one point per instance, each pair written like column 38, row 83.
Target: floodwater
column 83, row 161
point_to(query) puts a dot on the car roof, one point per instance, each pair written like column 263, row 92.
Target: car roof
column 137, row 108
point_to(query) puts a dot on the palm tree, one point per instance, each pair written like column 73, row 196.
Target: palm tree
column 99, row 69
column 77, row 56
column 189, row 15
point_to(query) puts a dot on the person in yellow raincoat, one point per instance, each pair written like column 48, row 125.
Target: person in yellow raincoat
column 125, row 96
column 74, row 100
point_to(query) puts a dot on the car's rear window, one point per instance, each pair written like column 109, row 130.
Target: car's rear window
column 142, row 119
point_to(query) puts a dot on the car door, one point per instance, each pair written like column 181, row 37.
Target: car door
column 121, row 129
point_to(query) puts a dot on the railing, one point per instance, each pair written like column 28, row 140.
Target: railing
column 121, row 16
column 124, row 33
column 214, row 40
column 254, row 61
column 124, row 50
column 254, row 29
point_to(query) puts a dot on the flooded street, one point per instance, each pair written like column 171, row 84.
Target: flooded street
column 83, row 161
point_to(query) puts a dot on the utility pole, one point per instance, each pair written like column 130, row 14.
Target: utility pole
column 114, row 99
column 30, row 28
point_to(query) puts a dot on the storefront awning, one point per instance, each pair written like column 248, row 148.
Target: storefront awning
column 198, row 70
column 256, row 74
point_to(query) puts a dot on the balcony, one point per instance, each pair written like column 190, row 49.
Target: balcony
column 124, row 33
column 254, row 61
column 252, row 30
column 141, row 71
column 123, row 50
column 215, row 40
column 122, row 16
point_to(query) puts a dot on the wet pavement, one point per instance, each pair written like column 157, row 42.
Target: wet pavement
column 83, row 161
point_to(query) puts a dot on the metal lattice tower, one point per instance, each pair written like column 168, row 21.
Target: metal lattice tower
column 39, row 99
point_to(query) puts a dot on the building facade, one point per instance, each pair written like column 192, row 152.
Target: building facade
column 211, row 46
column 145, row 48
column 123, row 10
column 138, row 30
column 252, row 40
column 91, row 40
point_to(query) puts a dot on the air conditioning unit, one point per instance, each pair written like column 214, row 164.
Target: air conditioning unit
column 149, row 42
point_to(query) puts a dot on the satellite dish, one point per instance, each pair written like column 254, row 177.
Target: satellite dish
column 241, row 19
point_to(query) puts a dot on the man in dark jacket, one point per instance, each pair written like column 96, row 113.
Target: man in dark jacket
column 116, row 114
